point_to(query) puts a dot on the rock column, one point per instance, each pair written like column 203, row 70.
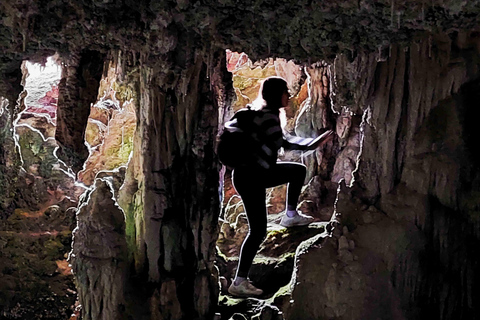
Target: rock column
column 78, row 89
column 11, row 80
column 171, row 189
column 99, row 254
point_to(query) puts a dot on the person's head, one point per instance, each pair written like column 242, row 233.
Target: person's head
column 273, row 93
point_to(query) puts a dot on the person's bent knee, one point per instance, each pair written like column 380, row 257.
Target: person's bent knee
column 300, row 169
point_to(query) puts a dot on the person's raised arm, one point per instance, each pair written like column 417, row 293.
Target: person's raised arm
column 320, row 140
column 297, row 143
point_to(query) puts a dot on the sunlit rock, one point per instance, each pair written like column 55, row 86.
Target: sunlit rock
column 41, row 122
column 111, row 142
column 347, row 159
column 43, row 169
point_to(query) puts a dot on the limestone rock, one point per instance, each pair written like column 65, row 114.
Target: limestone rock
column 404, row 66
column 78, row 88
column 46, row 180
column 99, row 256
column 346, row 161
column 110, row 135
column 9, row 161
column 40, row 122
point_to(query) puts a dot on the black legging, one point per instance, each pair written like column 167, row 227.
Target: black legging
column 251, row 183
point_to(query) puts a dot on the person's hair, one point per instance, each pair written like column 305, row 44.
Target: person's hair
column 270, row 93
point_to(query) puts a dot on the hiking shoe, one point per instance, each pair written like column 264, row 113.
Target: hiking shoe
column 299, row 219
column 244, row 289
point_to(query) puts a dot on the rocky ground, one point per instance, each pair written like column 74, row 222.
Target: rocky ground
column 273, row 267
column 37, row 282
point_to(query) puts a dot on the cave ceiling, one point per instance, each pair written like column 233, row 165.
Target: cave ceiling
column 303, row 30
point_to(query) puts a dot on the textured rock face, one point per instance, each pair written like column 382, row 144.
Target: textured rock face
column 415, row 148
column 11, row 88
column 171, row 190
column 35, row 229
column 111, row 125
column 173, row 52
column 77, row 90
column 8, row 159
column 99, row 255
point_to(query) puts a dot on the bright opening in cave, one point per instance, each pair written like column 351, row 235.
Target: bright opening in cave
column 48, row 193
column 41, row 85
column 309, row 114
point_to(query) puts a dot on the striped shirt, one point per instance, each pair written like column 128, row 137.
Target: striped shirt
column 268, row 132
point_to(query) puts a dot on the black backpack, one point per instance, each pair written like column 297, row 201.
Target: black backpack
column 237, row 145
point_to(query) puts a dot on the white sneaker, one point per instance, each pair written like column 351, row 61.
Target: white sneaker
column 244, row 289
column 297, row 220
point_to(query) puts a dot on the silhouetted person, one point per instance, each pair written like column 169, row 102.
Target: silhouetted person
column 251, row 180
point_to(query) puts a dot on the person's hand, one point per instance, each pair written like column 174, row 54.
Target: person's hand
column 321, row 140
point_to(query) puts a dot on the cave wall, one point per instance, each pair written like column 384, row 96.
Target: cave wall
column 78, row 89
column 168, row 222
column 170, row 195
column 11, row 86
column 409, row 215
column 8, row 155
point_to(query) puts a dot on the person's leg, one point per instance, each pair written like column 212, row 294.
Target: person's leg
column 254, row 204
column 288, row 172
column 293, row 174
column 253, row 196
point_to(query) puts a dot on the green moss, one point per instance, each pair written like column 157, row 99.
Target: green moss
column 287, row 255
column 130, row 230
column 36, row 151
column 281, row 293
column 133, row 216
column 53, row 248
column 229, row 301
column 123, row 92
column 242, row 83
column 126, row 149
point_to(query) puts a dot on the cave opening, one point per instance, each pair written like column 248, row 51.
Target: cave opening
column 109, row 137
column 48, row 190
column 309, row 114
column 40, row 227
